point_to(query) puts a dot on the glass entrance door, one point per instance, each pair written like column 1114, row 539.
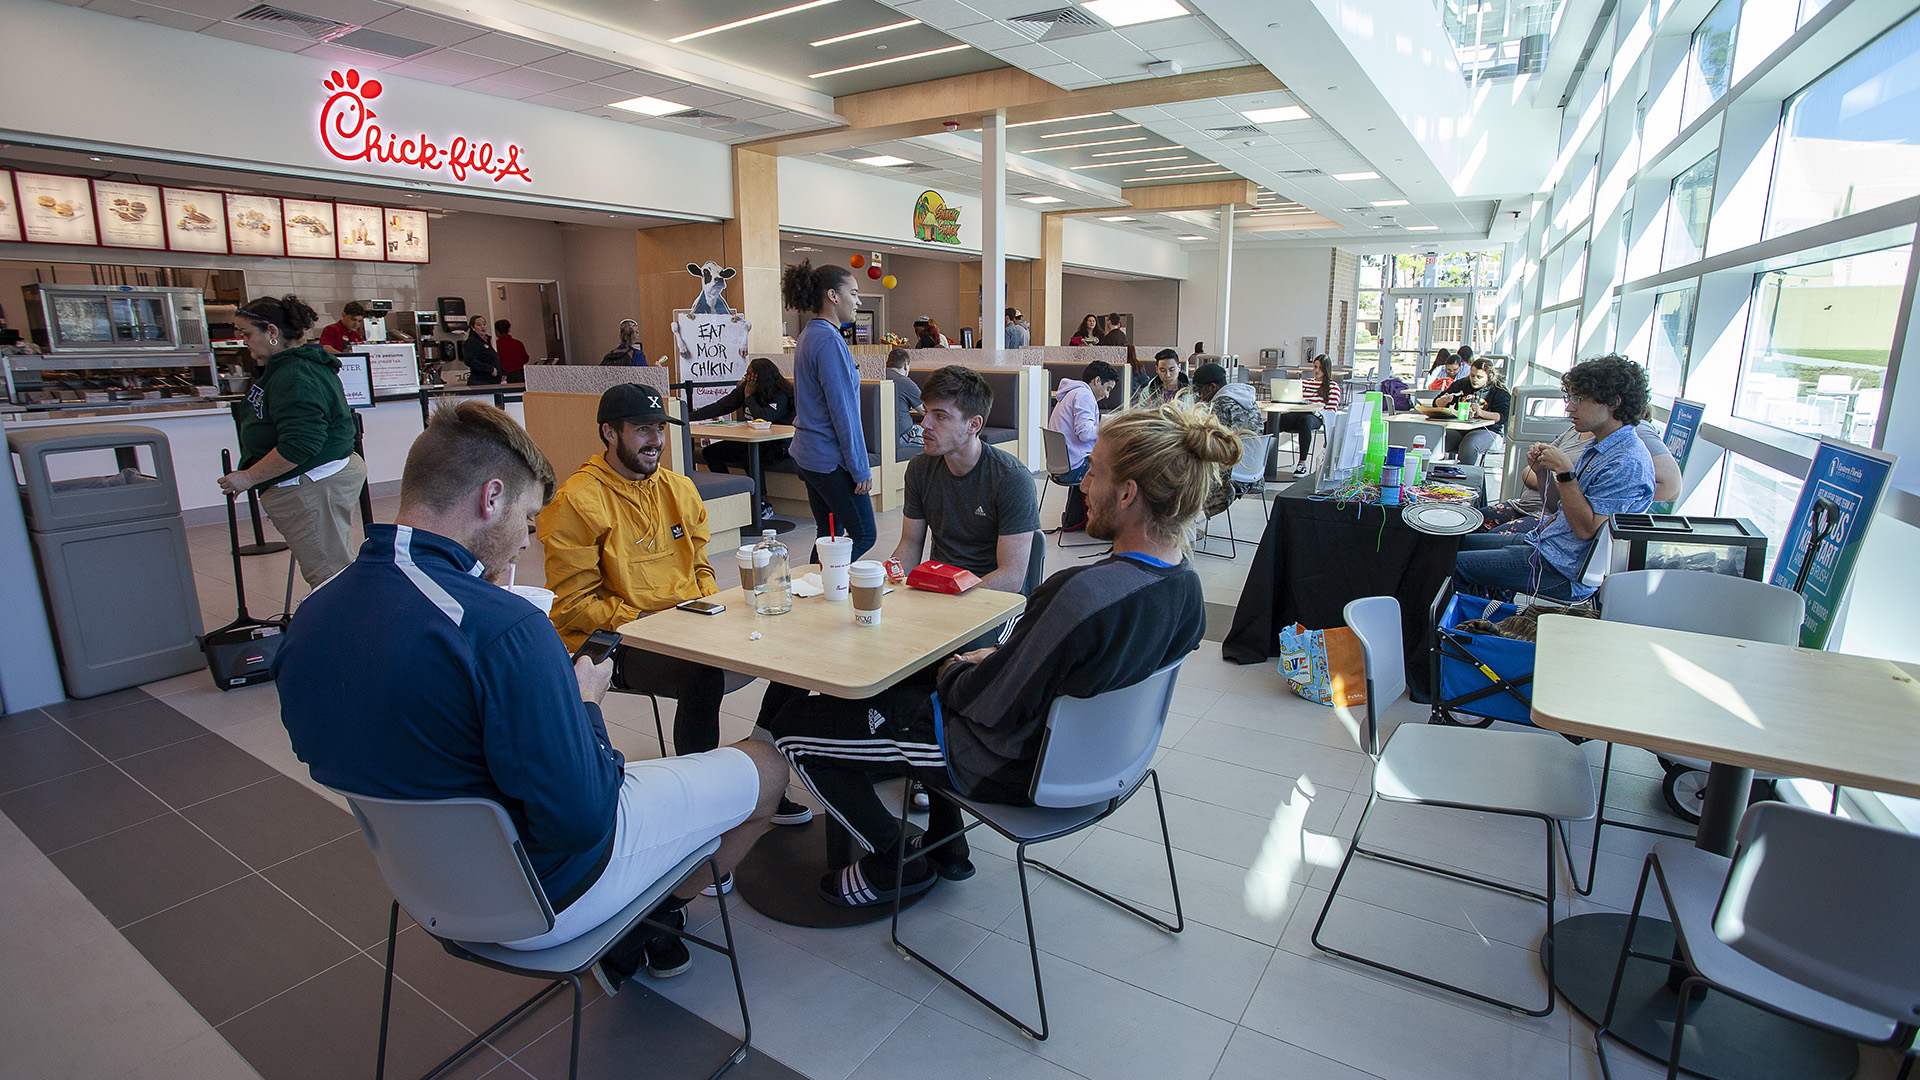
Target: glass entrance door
column 1420, row 321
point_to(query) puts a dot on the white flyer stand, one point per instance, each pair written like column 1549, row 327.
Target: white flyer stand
column 712, row 348
column 392, row 366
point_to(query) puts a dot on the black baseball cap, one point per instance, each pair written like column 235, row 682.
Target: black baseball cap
column 633, row 403
column 1210, row 375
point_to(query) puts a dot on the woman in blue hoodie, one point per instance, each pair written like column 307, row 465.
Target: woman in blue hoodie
column 828, row 445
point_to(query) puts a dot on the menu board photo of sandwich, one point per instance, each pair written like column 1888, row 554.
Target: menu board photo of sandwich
column 56, row 209
column 406, row 235
column 130, row 215
column 196, row 220
column 253, row 225
column 361, row 233
column 309, row 228
column 9, row 208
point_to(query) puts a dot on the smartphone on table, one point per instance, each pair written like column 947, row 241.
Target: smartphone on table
column 598, row 646
column 701, row 607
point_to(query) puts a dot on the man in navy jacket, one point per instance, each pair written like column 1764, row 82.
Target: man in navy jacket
column 410, row 675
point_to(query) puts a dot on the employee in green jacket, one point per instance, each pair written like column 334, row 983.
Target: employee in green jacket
column 296, row 438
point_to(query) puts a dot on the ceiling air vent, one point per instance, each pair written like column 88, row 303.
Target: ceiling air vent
column 374, row 41
column 1055, row 24
column 1229, row 132
column 1303, row 172
column 313, row 26
column 698, row 116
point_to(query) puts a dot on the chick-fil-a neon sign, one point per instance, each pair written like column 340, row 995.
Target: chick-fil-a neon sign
column 349, row 133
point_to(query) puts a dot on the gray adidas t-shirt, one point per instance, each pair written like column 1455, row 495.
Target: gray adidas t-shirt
column 968, row 515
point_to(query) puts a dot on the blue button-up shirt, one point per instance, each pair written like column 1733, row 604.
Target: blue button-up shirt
column 1615, row 475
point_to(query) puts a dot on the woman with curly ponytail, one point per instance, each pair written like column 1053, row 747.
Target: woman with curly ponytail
column 828, row 446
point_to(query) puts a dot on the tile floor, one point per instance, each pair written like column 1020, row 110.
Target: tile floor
column 181, row 901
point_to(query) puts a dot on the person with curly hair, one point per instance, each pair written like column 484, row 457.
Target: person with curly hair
column 1606, row 398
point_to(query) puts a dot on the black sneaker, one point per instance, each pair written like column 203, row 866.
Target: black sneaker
column 663, row 954
column 791, row 813
column 726, row 886
column 766, row 511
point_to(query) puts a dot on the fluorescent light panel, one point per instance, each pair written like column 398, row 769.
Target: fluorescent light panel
column 1119, row 217
column 864, row 33
column 1132, row 12
column 1137, row 161
column 1176, row 176
column 651, row 106
column 1173, row 168
column 1276, row 115
column 1191, row 238
column 883, row 161
column 1086, row 131
column 889, row 60
column 736, row 24
column 1076, row 146
column 1041, row 200
column 1423, row 228
column 1388, row 202
column 1351, row 177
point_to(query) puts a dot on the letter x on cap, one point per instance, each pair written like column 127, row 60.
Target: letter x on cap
column 634, row 403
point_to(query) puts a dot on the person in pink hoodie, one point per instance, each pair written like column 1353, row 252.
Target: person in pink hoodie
column 1076, row 414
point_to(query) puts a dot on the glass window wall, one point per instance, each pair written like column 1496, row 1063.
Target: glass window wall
column 1689, row 208
column 1672, row 335
column 1710, row 61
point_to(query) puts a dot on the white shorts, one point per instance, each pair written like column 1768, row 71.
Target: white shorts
column 668, row 809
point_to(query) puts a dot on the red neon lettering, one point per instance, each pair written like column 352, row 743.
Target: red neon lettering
column 349, row 134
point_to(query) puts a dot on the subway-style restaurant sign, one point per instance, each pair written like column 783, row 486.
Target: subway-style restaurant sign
column 934, row 221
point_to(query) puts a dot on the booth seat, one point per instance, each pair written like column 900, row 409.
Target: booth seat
column 1007, row 419
column 877, row 427
column 1117, row 397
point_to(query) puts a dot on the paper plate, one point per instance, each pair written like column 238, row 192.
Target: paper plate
column 1442, row 518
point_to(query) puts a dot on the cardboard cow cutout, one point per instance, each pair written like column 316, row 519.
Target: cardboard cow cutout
column 713, row 283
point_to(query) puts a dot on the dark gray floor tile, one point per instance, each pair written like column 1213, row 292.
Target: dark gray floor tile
column 329, row 1027
column 147, row 868
column 77, row 707
column 271, row 821
column 196, row 770
column 25, row 720
column 235, row 947
column 641, row 1026
column 135, row 727
column 474, row 995
column 37, row 754
column 78, row 807
column 340, row 883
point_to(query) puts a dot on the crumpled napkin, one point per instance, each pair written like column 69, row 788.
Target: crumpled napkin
column 808, row 585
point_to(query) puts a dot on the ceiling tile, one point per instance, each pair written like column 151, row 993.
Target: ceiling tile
column 497, row 86
column 334, row 54
column 989, row 35
column 133, row 9
column 357, row 12
column 701, row 98
column 565, row 104
column 592, row 94
column 1066, row 76
column 512, row 50
column 427, row 28
column 1205, row 54
column 639, row 82
column 944, row 12
column 212, row 9
column 579, row 68
column 416, row 70
column 262, row 38
column 473, row 67
column 1167, row 32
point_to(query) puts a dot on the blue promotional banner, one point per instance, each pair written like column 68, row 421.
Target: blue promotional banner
column 1683, row 423
column 1835, row 509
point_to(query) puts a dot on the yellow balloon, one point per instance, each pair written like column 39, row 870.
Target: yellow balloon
column 889, row 281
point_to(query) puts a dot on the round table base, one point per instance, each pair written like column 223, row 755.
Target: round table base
column 777, row 524
column 1727, row 1039
column 780, row 879
column 269, row 547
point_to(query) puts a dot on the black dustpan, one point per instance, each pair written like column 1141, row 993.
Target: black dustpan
column 242, row 652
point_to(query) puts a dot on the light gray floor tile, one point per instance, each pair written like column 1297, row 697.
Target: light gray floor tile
column 46, row 917
column 208, row 1057
column 1281, row 755
column 1253, row 1056
column 1253, row 904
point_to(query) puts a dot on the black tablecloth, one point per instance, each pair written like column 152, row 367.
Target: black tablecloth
column 1317, row 556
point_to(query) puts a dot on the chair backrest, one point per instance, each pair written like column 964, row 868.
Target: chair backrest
column 1827, row 902
column 1055, row 444
column 1593, row 570
column 1703, row 603
column 456, row 865
column 1036, row 564
column 1253, row 459
column 1834, row 384
column 1375, row 620
column 1098, row 748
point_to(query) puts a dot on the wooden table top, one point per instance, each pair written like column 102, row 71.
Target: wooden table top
column 1827, row 716
column 817, row 645
column 743, row 433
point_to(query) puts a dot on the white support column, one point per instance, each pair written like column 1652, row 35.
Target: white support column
column 993, row 226
column 1223, row 281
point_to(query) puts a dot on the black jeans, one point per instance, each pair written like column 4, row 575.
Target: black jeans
column 831, row 493
column 1303, row 424
column 696, row 687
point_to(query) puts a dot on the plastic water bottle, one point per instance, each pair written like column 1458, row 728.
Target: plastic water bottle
column 774, row 594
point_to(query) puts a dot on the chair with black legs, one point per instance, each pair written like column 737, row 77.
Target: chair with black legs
column 458, row 868
column 1096, row 754
column 1524, row 774
column 1811, row 919
column 1248, row 477
column 653, row 689
column 1059, row 463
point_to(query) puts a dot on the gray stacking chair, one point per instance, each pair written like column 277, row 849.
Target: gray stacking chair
column 1096, row 754
column 458, row 868
column 1811, row 919
column 1516, row 773
column 1698, row 603
column 1059, row 461
column 1247, row 478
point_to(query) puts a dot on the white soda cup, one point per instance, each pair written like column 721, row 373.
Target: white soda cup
column 836, row 553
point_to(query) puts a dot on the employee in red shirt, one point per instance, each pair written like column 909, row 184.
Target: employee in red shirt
column 351, row 330
column 513, row 352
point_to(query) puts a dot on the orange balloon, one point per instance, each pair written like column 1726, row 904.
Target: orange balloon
column 889, row 281
column 856, row 261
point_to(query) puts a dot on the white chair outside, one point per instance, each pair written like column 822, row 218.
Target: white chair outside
column 1516, row 773
column 458, row 867
column 1096, row 754
column 1811, row 919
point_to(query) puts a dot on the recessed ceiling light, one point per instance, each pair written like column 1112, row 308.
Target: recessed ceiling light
column 1130, row 12
column 1042, row 199
column 1137, row 150
column 1277, row 114
column 1423, row 228
column 1119, row 217
column 1138, row 161
column 882, row 161
column 865, row 33
column 1388, row 202
column 651, row 106
column 1076, row 146
column 1350, row 177
column 1177, row 168
column 889, row 60
column 1176, row 176
column 1086, row 131
column 749, row 22
column 1190, row 238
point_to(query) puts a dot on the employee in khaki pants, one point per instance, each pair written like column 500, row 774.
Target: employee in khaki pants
column 296, row 438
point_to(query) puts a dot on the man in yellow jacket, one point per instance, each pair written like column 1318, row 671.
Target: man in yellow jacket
column 625, row 538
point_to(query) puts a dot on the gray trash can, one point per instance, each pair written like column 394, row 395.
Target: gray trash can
column 112, row 552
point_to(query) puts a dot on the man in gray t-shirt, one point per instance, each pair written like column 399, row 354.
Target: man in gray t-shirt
column 977, row 500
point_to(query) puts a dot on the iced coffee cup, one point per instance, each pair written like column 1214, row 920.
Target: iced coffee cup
column 835, row 553
column 744, row 556
column 869, row 583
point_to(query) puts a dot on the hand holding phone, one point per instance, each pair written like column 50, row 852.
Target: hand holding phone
column 598, row 646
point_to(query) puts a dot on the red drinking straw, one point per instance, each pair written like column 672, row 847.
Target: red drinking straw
column 830, row 533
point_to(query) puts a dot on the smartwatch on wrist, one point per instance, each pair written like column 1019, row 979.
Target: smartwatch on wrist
column 1563, row 478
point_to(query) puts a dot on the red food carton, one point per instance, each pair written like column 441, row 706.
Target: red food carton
column 895, row 572
column 939, row 577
